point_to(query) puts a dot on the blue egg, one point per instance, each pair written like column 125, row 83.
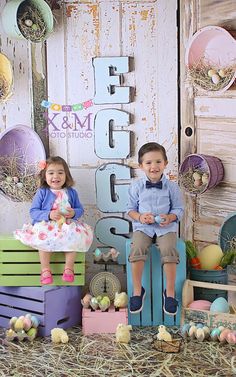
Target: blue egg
column 215, row 333
column 199, row 325
column 185, row 329
column 97, row 252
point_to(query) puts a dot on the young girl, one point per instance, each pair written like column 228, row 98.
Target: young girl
column 55, row 211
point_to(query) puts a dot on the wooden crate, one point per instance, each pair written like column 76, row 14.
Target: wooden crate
column 154, row 282
column 98, row 322
column 20, row 266
column 53, row 306
column 206, row 317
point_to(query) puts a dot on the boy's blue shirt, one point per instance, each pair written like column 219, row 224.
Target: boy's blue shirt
column 43, row 201
column 156, row 201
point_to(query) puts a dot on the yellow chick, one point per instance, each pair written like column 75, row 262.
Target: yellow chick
column 163, row 334
column 59, row 335
column 61, row 221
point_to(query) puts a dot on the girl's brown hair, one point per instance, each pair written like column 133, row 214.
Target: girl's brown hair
column 58, row 161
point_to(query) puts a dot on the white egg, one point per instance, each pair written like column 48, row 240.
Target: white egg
column 200, row 335
column 215, row 79
column 196, row 176
column 205, row 178
column 28, row 22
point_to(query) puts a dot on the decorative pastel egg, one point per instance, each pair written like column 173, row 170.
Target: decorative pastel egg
column 27, row 323
column 94, row 303
column 185, row 329
column 35, row 27
column 205, row 178
column 206, row 331
column 200, row 335
column 86, row 300
column 28, row 315
column 32, row 333
column 12, row 322
column 210, row 256
column 220, row 305
column 97, row 252
column 223, row 335
column 199, row 325
column 18, row 325
column 20, row 334
column 215, row 333
column 192, row 331
column 19, row 184
column 231, row 337
column 34, row 321
column 15, row 179
column 200, row 304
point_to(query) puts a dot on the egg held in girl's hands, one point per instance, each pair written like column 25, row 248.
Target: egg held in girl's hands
column 210, row 257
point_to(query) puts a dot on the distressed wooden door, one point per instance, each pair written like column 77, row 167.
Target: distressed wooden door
column 208, row 126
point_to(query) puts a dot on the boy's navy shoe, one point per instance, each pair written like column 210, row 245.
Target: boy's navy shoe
column 136, row 302
column 170, row 305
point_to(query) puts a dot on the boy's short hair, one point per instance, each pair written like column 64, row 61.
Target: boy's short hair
column 151, row 147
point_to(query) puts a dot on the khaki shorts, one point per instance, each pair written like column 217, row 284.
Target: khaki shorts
column 166, row 244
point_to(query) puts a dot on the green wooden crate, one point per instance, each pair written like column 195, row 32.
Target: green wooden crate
column 20, row 266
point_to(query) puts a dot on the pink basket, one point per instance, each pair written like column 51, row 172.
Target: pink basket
column 214, row 45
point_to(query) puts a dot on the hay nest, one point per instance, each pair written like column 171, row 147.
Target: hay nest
column 31, row 22
column 210, row 77
column 173, row 346
column 17, row 181
column 191, row 185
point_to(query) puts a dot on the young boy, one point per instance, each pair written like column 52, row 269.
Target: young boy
column 148, row 197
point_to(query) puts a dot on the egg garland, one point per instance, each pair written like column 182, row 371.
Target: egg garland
column 23, row 327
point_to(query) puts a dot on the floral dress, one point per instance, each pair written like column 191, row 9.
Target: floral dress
column 54, row 236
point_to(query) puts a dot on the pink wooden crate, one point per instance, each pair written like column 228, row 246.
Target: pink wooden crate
column 98, row 322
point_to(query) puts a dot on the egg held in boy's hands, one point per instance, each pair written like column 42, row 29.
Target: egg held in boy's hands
column 210, row 257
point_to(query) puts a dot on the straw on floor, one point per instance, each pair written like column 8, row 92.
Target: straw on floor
column 100, row 355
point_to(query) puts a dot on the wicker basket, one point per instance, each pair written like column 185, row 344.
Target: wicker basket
column 173, row 346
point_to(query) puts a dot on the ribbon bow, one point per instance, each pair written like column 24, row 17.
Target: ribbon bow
column 156, row 185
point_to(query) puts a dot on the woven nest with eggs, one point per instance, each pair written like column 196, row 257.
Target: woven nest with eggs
column 194, row 180
column 31, row 22
column 209, row 77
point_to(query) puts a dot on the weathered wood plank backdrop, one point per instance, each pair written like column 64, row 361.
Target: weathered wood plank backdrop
column 61, row 69
column 212, row 119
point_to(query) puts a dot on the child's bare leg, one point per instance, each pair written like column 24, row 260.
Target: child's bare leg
column 44, row 257
column 137, row 271
column 170, row 271
column 70, row 260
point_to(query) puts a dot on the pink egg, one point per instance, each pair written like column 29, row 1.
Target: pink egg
column 223, row 335
column 231, row 337
column 200, row 304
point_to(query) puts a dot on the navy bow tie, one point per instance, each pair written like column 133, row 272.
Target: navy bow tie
column 156, row 185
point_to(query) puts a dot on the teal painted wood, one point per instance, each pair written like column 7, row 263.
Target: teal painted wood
column 154, row 283
column 117, row 240
column 112, row 197
column 146, row 314
column 108, row 141
column 108, row 78
column 156, row 276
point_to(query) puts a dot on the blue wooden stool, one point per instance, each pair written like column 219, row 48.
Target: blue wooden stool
column 153, row 281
